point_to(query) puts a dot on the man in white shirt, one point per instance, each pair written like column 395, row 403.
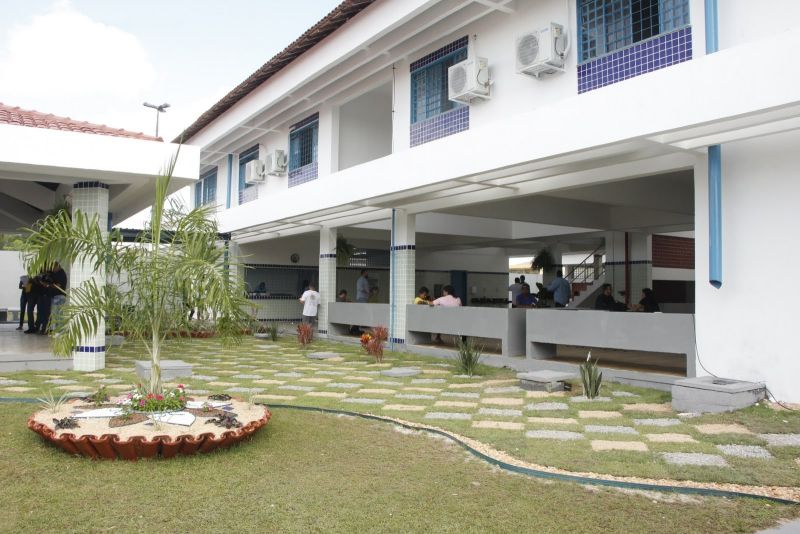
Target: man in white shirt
column 362, row 287
column 310, row 300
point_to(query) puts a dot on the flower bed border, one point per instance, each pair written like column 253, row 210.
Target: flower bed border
column 109, row 446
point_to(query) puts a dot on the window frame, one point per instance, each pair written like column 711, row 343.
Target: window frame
column 429, row 71
column 201, row 188
column 308, row 126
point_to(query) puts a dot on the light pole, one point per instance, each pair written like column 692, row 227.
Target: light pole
column 159, row 110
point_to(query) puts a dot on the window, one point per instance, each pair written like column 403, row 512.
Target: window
column 609, row 25
column 205, row 190
column 247, row 192
column 303, row 143
column 429, row 82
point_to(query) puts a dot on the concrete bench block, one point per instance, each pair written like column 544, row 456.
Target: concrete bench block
column 709, row 394
column 544, row 380
column 170, row 369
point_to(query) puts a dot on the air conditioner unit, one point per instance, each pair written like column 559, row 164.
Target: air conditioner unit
column 542, row 51
column 275, row 163
column 468, row 80
column 254, row 172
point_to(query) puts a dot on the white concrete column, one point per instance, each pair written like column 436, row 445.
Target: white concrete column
column 91, row 198
column 402, row 273
column 327, row 276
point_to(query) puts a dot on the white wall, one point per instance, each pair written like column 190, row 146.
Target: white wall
column 365, row 127
column 747, row 328
column 10, row 270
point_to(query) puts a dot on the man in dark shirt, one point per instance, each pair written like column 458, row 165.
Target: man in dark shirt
column 605, row 300
column 526, row 299
column 55, row 285
column 33, row 304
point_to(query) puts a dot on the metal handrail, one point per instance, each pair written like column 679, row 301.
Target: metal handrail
column 584, row 268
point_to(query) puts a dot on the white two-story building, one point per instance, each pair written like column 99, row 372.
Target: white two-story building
column 656, row 139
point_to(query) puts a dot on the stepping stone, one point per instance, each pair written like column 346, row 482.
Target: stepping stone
column 8, row 382
column 423, row 390
column 322, row 355
column 544, row 380
column 289, row 375
column 546, row 406
column 781, row 440
column 60, row 381
column 18, row 389
column 343, row 385
column 464, row 386
column 92, row 375
column 405, row 407
column 583, row 398
column 552, row 420
column 297, row 388
column 544, row 394
column 247, row 377
column 207, row 378
column 503, row 401
column 361, row 378
column 506, row 389
column 435, row 372
column 605, row 429
column 626, row 394
column 654, row 408
column 449, row 366
column 330, row 373
column 109, row 381
column 198, row 391
column 560, row 435
column 327, row 394
column 313, row 380
column 275, row 397
column 448, row 415
column 694, row 458
column 428, row 381
column 417, row 396
column 229, row 372
column 597, row 414
column 223, row 384
column 745, row 451
column 376, row 392
column 468, row 377
column 500, row 381
column 499, row 425
column 657, row 422
column 358, row 400
column 71, row 388
column 245, row 390
column 243, row 366
column 602, row 445
column 400, row 372
column 267, row 381
column 713, row 429
column 387, row 383
column 455, row 404
column 458, row 395
column 500, row 412
column 120, row 387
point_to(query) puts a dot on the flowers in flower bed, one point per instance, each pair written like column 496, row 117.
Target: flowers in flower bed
column 373, row 343
column 305, row 334
column 143, row 401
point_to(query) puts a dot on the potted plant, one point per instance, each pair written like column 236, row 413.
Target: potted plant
column 543, row 260
column 175, row 265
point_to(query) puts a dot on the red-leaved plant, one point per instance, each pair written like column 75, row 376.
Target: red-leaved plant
column 305, row 334
column 373, row 344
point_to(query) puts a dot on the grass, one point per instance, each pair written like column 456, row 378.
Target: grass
column 211, row 358
column 312, row 472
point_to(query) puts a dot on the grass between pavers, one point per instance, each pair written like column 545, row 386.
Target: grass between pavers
column 285, row 370
column 313, row 472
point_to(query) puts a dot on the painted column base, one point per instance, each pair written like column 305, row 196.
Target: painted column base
column 88, row 361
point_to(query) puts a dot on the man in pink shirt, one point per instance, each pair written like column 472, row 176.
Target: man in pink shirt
column 447, row 299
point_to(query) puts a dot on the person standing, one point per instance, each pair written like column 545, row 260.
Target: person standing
column 56, row 291
column 447, row 300
column 33, row 304
column 515, row 289
column 362, row 287
column 560, row 290
column 310, row 299
column 25, row 288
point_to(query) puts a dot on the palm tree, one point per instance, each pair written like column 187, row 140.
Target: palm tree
column 175, row 264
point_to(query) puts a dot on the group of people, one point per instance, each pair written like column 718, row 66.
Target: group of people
column 521, row 296
column 605, row 301
column 38, row 296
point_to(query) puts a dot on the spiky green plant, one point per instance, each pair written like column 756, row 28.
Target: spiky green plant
column 469, row 355
column 272, row 330
column 50, row 403
column 176, row 264
column 591, row 377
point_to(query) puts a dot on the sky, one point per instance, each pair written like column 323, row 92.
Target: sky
column 99, row 60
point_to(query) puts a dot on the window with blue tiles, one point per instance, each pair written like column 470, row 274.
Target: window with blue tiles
column 303, row 150
column 433, row 115
column 247, row 192
column 205, row 190
column 620, row 39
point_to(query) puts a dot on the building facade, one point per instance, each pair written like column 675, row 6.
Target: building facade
column 652, row 142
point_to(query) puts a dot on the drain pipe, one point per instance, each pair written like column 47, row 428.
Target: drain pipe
column 714, row 169
column 392, row 277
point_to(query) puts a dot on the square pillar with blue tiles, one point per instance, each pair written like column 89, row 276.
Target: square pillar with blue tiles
column 402, row 275
column 327, row 276
column 91, row 198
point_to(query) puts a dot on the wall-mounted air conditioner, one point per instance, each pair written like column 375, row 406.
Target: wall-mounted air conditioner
column 254, row 172
column 275, row 162
column 542, row 51
column 468, row 80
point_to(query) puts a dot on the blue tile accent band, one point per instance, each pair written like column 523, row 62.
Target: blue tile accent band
column 89, row 349
column 443, row 51
column 633, row 262
column 90, row 185
column 398, row 340
column 303, row 174
column 403, row 247
column 645, row 56
column 307, row 120
column 322, row 331
column 327, row 256
column 448, row 123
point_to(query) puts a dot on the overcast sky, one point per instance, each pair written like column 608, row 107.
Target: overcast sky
column 98, row 60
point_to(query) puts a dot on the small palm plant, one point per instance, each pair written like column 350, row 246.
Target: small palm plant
column 176, row 265
column 591, row 377
column 469, row 355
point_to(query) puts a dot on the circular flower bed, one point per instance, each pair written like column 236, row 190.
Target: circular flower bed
column 108, row 431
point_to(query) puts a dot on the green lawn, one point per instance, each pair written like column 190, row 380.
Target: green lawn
column 313, row 472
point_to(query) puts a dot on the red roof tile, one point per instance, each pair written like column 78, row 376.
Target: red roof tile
column 36, row 119
column 332, row 22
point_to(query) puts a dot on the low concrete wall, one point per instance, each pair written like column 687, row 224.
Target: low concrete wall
column 343, row 315
column 647, row 332
column 507, row 325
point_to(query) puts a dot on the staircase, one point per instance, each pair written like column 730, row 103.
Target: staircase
column 585, row 278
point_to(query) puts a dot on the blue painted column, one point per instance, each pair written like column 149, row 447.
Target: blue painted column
column 714, row 169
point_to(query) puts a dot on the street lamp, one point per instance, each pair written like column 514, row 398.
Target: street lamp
column 159, row 110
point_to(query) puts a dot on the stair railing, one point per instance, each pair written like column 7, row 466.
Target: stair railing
column 586, row 271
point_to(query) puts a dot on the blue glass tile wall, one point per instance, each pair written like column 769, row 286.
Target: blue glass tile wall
column 303, row 174
column 646, row 56
column 448, row 123
column 447, row 49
